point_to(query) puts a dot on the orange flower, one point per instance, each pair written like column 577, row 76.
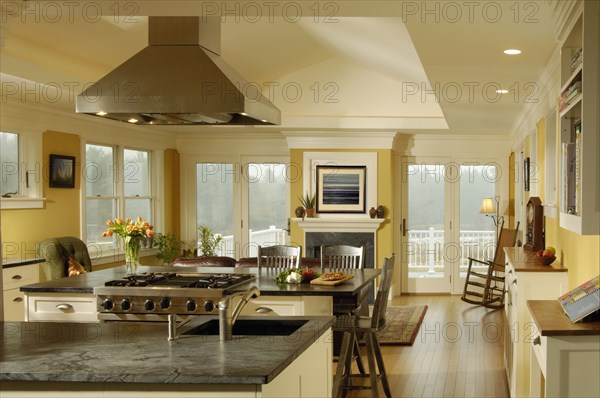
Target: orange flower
column 124, row 228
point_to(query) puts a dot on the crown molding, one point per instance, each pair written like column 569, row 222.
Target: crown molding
column 549, row 86
column 340, row 140
column 565, row 13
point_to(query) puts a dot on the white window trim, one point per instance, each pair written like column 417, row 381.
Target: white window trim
column 30, row 155
column 107, row 252
column 240, row 191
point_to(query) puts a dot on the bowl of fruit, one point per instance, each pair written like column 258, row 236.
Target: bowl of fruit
column 546, row 256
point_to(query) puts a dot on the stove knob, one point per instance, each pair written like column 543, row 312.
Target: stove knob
column 107, row 304
column 165, row 303
column 209, row 306
column 126, row 305
column 190, row 305
column 149, row 305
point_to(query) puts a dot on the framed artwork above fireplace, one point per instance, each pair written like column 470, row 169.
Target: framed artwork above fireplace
column 341, row 189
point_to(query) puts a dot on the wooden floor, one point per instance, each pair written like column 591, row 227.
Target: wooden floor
column 457, row 353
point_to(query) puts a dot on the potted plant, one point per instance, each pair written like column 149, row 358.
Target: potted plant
column 169, row 247
column 209, row 242
column 308, row 202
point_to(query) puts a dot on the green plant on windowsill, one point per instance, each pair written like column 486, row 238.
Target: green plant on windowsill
column 168, row 246
column 308, row 202
column 209, row 242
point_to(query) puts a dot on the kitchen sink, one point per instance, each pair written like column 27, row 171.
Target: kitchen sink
column 251, row 327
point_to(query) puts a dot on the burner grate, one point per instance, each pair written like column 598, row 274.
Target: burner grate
column 216, row 281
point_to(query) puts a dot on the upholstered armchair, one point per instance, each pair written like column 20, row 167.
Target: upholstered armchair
column 56, row 252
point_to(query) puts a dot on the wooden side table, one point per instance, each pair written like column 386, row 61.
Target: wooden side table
column 565, row 355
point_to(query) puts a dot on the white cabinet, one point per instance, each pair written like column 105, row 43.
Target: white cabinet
column 289, row 306
column 565, row 356
column 580, row 124
column 13, row 278
column 526, row 279
column 61, row 307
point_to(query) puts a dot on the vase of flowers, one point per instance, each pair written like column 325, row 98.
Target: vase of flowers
column 132, row 234
column 132, row 254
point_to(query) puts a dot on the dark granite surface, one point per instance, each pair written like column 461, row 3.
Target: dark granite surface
column 85, row 283
column 140, row 353
column 18, row 262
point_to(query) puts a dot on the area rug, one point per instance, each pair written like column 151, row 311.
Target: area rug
column 402, row 325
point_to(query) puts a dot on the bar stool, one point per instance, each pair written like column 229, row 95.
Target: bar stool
column 354, row 325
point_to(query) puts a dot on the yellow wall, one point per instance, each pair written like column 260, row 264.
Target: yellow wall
column 385, row 193
column 579, row 253
column 171, row 193
column 22, row 228
column 60, row 216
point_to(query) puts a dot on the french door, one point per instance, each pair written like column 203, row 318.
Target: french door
column 441, row 226
column 426, row 225
column 244, row 200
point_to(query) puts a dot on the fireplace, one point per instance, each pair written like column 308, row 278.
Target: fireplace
column 314, row 240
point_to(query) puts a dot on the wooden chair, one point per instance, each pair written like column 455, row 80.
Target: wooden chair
column 279, row 257
column 487, row 288
column 353, row 326
column 340, row 257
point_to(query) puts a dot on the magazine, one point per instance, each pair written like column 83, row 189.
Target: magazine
column 582, row 301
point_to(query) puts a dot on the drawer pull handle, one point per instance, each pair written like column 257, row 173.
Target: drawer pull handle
column 18, row 299
column 537, row 341
column 263, row 310
column 17, row 277
column 64, row 306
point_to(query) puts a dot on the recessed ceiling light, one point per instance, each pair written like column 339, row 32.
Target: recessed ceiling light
column 133, row 120
column 101, row 113
column 512, row 51
column 502, row 91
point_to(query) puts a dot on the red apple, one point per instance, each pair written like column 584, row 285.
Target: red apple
column 547, row 253
column 539, row 253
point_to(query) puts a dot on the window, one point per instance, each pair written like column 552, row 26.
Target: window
column 9, row 153
column 214, row 204
column 246, row 203
column 21, row 170
column 115, row 191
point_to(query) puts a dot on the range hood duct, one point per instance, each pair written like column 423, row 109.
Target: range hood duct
column 178, row 79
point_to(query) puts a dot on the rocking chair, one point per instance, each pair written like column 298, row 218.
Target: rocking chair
column 487, row 287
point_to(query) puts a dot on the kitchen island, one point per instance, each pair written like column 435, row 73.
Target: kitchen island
column 73, row 300
column 120, row 359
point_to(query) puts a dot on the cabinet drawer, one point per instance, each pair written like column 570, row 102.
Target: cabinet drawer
column 14, row 277
column 290, row 306
column 14, row 306
column 62, row 308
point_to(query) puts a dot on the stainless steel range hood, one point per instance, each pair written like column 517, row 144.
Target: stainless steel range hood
column 178, row 79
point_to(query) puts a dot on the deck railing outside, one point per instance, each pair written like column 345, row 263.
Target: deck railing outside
column 426, row 248
column 265, row 237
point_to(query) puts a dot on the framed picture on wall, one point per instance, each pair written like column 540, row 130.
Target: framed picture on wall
column 526, row 174
column 62, row 171
column 341, row 189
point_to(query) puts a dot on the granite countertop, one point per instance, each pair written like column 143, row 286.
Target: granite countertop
column 85, row 283
column 140, row 353
column 18, row 262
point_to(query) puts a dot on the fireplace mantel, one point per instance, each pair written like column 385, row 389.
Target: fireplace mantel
column 339, row 224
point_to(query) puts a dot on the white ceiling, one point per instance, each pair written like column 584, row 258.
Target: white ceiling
column 372, row 50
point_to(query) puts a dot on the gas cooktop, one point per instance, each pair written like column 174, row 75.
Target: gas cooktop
column 153, row 296
column 174, row 280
